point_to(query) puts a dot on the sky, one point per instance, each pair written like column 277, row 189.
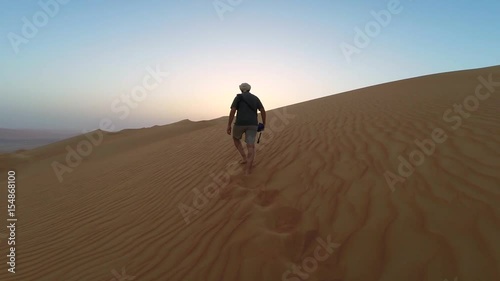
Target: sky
column 72, row 64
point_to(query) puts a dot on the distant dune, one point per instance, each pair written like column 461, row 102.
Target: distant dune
column 17, row 139
column 399, row 181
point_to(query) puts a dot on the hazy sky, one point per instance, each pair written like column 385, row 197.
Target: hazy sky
column 70, row 65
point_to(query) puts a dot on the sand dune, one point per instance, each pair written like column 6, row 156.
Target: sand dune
column 319, row 197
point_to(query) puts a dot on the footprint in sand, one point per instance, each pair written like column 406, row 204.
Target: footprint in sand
column 227, row 191
column 264, row 198
column 284, row 219
column 240, row 183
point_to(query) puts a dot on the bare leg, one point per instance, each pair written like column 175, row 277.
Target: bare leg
column 250, row 158
column 238, row 145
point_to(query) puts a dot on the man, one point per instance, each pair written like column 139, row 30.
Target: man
column 246, row 122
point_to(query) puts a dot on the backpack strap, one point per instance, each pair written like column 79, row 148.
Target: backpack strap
column 243, row 99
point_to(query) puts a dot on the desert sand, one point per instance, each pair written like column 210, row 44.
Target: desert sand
column 145, row 203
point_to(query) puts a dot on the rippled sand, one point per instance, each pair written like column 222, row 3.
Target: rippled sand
column 168, row 202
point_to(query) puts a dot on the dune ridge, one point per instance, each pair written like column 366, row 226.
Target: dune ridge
column 319, row 175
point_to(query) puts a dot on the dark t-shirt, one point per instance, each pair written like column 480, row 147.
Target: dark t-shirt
column 247, row 113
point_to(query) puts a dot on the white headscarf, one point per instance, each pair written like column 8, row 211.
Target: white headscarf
column 245, row 87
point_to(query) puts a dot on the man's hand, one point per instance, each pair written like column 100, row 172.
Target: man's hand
column 229, row 129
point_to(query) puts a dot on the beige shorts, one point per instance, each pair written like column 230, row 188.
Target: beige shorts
column 250, row 133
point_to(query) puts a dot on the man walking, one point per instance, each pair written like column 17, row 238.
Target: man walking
column 247, row 105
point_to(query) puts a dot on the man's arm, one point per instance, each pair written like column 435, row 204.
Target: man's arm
column 263, row 114
column 231, row 118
